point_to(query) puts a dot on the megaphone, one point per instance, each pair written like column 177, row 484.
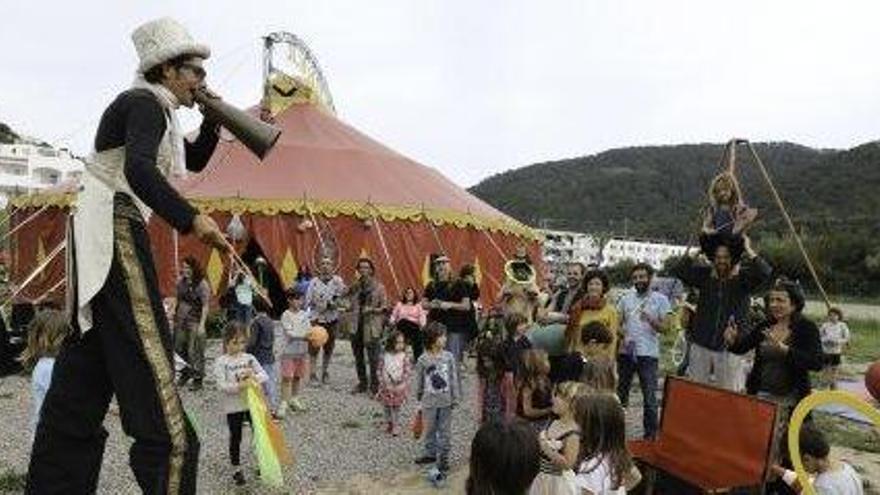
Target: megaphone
column 258, row 136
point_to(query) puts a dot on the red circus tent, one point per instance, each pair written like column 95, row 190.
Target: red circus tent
column 325, row 187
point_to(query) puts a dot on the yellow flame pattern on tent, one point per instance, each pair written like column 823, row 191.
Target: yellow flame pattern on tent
column 41, row 256
column 426, row 270
column 289, row 269
column 214, row 271
column 478, row 272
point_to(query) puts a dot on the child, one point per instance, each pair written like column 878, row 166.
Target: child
column 233, row 371
column 295, row 358
column 560, row 443
column 515, row 325
column 394, row 373
column 832, row 476
column 504, row 459
column 535, row 403
column 600, row 375
column 727, row 214
column 261, row 345
column 591, row 342
column 45, row 335
column 834, row 335
column 495, row 390
column 605, row 465
column 437, row 390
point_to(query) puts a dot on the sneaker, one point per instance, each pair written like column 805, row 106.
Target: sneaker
column 238, row 478
column 185, row 376
column 359, row 389
column 325, row 377
column 389, row 428
column 425, row 459
column 297, row 405
column 443, row 465
column 313, row 380
column 395, row 431
column 282, row 410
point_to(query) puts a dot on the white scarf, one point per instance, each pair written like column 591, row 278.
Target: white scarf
column 169, row 103
column 394, row 366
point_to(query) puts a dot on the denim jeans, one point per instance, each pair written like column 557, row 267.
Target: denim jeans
column 456, row 344
column 438, row 426
column 647, row 369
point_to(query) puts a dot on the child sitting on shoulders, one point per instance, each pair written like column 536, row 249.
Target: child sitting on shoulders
column 728, row 214
column 234, row 370
column 46, row 333
column 395, row 369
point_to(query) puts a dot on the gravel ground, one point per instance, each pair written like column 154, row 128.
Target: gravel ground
column 338, row 444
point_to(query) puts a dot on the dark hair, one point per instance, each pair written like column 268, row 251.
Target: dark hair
column 433, row 331
column 154, row 74
column 490, row 348
column 234, row 329
column 793, row 289
column 505, row 458
column 294, row 293
column 467, row 270
column 601, row 275
column 536, row 369
column 813, row 442
column 198, row 274
column 512, row 321
column 595, row 332
column 364, row 259
column 403, row 295
column 642, row 266
column 391, row 340
column 603, row 433
column 837, row 311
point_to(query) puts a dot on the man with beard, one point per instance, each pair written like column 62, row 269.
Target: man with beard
column 642, row 315
column 566, row 296
column 322, row 297
column 368, row 303
column 725, row 288
column 445, row 301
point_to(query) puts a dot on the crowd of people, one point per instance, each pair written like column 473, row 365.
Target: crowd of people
column 554, row 363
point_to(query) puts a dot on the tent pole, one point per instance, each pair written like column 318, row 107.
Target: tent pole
column 378, row 221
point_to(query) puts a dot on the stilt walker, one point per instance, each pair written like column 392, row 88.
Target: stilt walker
column 122, row 343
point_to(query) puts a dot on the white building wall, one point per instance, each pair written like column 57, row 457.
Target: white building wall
column 653, row 253
column 25, row 168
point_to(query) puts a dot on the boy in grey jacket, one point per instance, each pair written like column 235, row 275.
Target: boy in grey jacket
column 438, row 390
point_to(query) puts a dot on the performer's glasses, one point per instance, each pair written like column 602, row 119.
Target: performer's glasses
column 196, row 69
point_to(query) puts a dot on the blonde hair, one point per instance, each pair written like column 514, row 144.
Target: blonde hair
column 600, row 374
column 536, row 364
column 46, row 333
column 569, row 391
column 732, row 183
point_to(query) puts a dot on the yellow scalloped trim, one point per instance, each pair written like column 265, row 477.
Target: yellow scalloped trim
column 329, row 209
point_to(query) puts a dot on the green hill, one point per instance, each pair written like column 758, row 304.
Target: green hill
column 655, row 191
column 7, row 135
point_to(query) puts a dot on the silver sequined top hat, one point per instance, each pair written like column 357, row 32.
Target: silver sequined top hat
column 163, row 39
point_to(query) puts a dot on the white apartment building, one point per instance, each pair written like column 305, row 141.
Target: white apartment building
column 561, row 246
column 653, row 253
column 25, row 168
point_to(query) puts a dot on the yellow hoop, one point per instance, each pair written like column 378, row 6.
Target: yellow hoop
column 800, row 412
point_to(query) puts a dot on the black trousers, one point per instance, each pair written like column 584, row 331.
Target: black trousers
column 360, row 362
column 413, row 334
column 235, row 421
column 127, row 352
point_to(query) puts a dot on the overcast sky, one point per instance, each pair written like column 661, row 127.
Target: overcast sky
column 473, row 88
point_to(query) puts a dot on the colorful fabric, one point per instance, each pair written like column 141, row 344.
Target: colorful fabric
column 269, row 443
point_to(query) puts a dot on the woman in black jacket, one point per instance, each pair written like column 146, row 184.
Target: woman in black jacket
column 787, row 347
